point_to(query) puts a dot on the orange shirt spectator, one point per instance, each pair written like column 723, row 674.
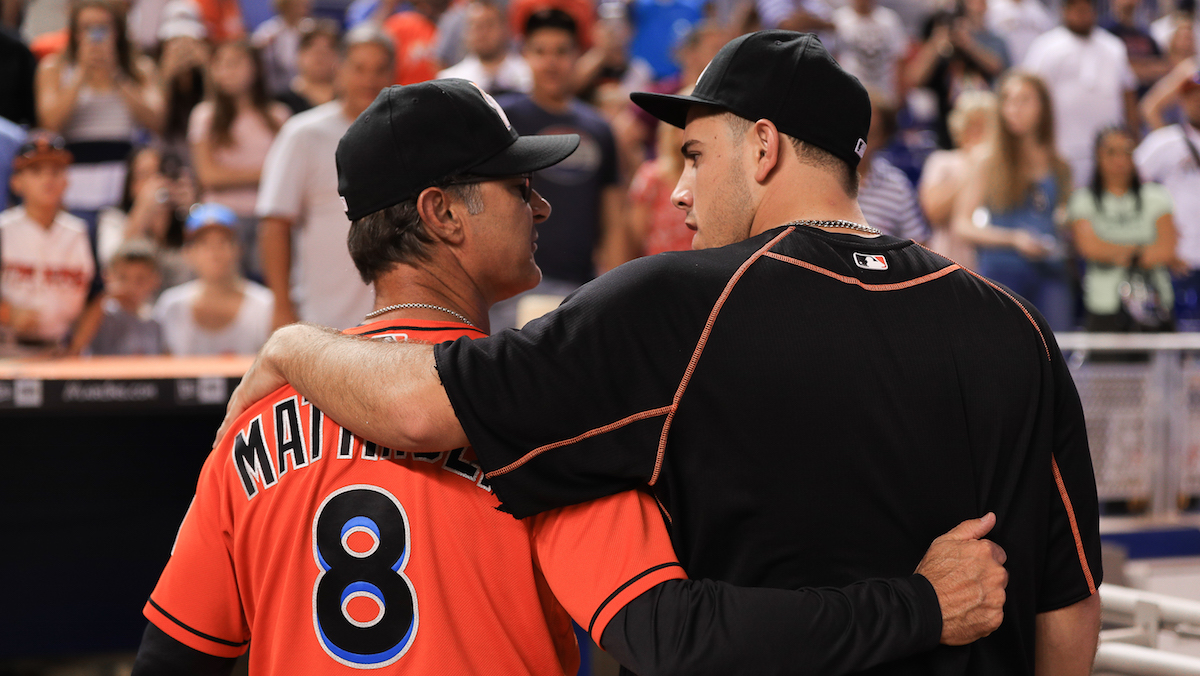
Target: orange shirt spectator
column 583, row 11
column 222, row 18
column 416, row 46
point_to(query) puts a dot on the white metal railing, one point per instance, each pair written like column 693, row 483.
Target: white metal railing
column 1143, row 418
column 1131, row 648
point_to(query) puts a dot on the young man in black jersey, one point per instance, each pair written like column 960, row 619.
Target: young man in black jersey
column 809, row 401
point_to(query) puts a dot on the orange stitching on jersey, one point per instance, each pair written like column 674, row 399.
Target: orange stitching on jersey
column 691, row 367
column 869, row 287
column 1027, row 315
column 1062, row 491
column 567, row 442
column 662, row 507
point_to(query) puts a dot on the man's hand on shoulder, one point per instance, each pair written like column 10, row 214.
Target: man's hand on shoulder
column 968, row 575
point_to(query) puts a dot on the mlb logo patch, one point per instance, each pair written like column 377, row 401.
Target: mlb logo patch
column 870, row 261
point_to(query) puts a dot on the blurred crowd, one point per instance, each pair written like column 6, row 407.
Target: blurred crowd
column 171, row 185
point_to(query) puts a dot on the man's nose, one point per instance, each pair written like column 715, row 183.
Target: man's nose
column 541, row 208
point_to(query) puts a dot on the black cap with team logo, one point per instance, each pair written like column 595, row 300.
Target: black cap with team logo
column 416, row 136
column 783, row 76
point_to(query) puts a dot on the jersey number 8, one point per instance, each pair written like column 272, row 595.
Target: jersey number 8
column 364, row 607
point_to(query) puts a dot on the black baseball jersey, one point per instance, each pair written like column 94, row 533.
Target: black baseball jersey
column 810, row 409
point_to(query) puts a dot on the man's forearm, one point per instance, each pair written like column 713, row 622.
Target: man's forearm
column 388, row 393
column 704, row 626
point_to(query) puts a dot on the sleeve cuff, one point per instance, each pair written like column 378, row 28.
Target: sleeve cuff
column 190, row 637
column 928, row 609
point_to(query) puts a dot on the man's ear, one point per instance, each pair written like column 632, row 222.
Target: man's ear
column 442, row 217
column 765, row 140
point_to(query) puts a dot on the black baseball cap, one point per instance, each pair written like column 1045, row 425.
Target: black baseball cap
column 416, row 136
column 786, row 77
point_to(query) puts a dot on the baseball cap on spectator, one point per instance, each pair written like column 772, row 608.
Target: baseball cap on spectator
column 41, row 146
column 786, row 77
column 420, row 135
column 209, row 215
column 181, row 18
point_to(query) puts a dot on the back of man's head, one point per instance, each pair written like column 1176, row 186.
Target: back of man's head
column 790, row 79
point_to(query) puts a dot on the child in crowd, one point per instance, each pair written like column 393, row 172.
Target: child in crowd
column 220, row 312
column 230, row 134
column 46, row 264
column 121, row 324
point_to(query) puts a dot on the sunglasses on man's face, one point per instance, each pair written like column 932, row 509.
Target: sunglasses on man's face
column 526, row 186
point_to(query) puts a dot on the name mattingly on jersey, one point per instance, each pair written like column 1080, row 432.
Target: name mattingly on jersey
column 300, row 431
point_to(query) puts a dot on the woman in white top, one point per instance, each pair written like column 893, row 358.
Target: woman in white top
column 220, row 312
column 97, row 93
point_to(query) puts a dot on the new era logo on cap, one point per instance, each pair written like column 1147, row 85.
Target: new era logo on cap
column 860, row 148
column 870, row 261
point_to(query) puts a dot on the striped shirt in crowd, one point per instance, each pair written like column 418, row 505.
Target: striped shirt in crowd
column 889, row 202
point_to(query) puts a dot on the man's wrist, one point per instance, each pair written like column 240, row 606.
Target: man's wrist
column 929, row 609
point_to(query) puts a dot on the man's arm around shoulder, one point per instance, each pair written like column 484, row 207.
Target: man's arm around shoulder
column 389, row 393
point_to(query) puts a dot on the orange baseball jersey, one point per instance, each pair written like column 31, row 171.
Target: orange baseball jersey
column 334, row 554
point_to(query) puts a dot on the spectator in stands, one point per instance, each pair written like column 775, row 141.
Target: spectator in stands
column 121, row 323
column 220, row 312
column 222, row 19
column 585, row 232
column 658, row 26
column 490, row 61
column 230, row 134
column 582, row 11
column 1160, row 106
column 1089, row 76
column 971, row 124
column 1145, row 56
column 959, row 54
column 415, row 33
column 182, row 63
column 693, row 53
column 46, row 264
column 278, row 41
column 870, row 43
column 159, row 190
column 1166, row 29
column 885, row 194
column 1171, row 156
column 1122, row 224
column 96, row 94
column 609, row 61
column 298, row 199
column 805, row 16
column 656, row 224
column 1020, row 183
column 1019, row 22
column 316, row 64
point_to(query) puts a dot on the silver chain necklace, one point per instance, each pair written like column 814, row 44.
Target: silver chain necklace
column 839, row 224
column 427, row 306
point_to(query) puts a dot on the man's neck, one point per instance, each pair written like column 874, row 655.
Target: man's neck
column 441, row 287
column 41, row 214
column 550, row 103
column 492, row 61
column 805, row 194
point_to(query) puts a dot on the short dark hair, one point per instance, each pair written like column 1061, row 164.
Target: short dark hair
column 311, row 29
column 551, row 18
column 807, row 153
column 395, row 235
